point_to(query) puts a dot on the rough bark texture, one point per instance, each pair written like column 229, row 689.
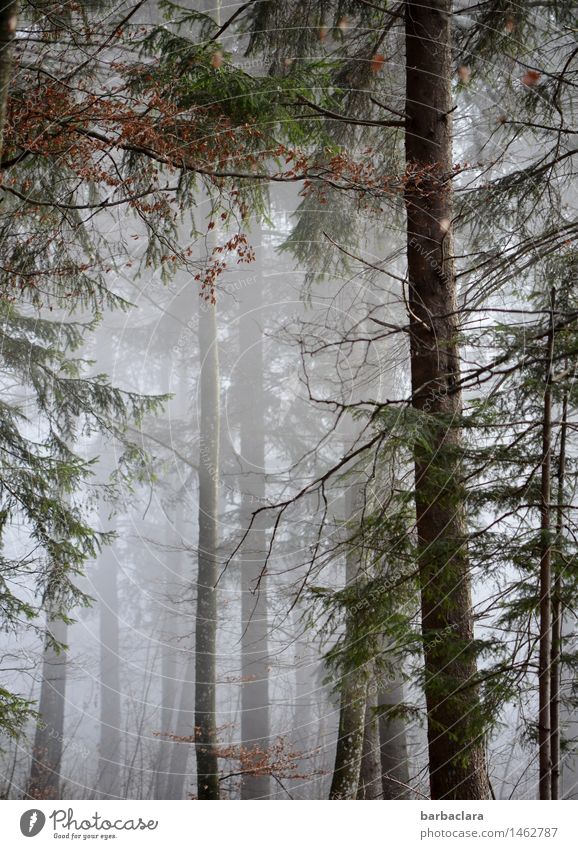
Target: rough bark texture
column 349, row 750
column 254, row 649
column 8, row 21
column 206, row 618
column 370, row 787
column 456, row 751
column 345, row 781
column 44, row 781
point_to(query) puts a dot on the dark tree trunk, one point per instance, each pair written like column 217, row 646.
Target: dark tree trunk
column 455, row 738
column 206, row 616
column 254, row 624
column 555, row 670
column 353, row 688
column 8, row 21
column 44, row 781
column 545, row 653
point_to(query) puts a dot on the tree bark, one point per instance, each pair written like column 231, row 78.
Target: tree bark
column 370, row 787
column 254, row 613
column 345, row 781
column 455, row 737
column 352, row 709
column 555, row 662
column 206, row 616
column 545, row 651
column 8, row 22
column 44, row 780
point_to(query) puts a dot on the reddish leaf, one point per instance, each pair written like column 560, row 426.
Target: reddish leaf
column 377, row 62
column 530, row 78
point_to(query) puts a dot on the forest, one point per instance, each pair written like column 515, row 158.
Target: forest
column 288, row 351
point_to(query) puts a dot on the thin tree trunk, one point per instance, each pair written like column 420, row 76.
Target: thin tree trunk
column 206, row 616
column 457, row 762
column 109, row 764
column 184, row 727
column 370, row 787
column 169, row 673
column 305, row 734
column 544, row 670
column 555, row 668
column 44, row 780
column 345, row 781
column 177, row 324
column 393, row 744
column 8, row 22
column 254, row 648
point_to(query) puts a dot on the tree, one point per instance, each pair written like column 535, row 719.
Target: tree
column 254, row 605
column 477, row 423
column 8, row 21
column 208, row 563
column 545, row 672
column 455, row 727
column 44, row 780
column 392, row 740
column 370, row 779
column 351, row 734
column 109, row 766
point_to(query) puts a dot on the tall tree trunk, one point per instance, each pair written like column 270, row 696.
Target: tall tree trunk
column 184, row 727
column 545, row 653
column 8, row 22
column 456, row 745
column 305, row 733
column 171, row 630
column 370, row 787
column 351, row 733
column 254, row 624
column 206, row 616
column 555, row 663
column 345, row 781
column 109, row 763
column 180, row 657
column 393, row 744
column 44, row 780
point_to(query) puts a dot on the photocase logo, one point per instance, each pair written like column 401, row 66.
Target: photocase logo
column 32, row 822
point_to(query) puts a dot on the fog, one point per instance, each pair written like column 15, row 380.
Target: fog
column 254, row 597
